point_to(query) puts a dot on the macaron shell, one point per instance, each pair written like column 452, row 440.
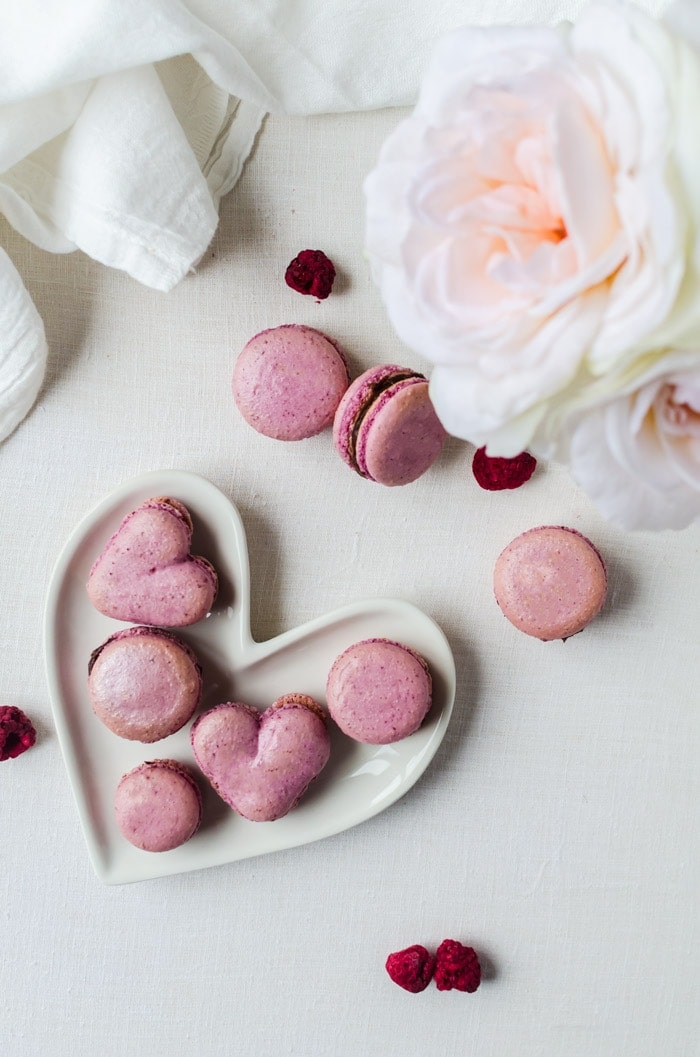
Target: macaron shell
column 300, row 699
column 144, row 684
column 379, row 691
column 158, row 806
column 401, row 437
column 289, row 380
column 550, row 582
column 146, row 574
column 261, row 764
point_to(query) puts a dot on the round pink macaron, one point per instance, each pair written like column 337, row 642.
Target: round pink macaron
column 144, row 683
column 379, row 691
column 158, row 805
column 550, row 582
column 386, row 428
column 288, row 381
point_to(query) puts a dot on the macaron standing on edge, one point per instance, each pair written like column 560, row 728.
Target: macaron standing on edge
column 550, row 582
column 385, row 427
column 288, row 381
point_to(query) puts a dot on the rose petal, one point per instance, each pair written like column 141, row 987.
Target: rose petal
column 622, row 496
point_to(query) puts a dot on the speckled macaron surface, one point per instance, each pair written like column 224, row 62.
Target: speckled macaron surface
column 379, row 691
column 144, row 683
column 386, row 428
column 261, row 763
column 550, row 582
column 146, row 573
column 158, row 806
column 288, row 381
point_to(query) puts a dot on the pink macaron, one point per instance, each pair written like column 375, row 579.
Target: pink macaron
column 158, row 806
column 144, row 683
column 379, row 691
column 146, row 573
column 288, row 381
column 261, row 763
column 386, row 428
column 550, row 582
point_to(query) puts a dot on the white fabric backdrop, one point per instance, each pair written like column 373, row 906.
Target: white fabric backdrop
column 556, row 829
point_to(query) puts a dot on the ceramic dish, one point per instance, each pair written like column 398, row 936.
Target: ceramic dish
column 358, row 782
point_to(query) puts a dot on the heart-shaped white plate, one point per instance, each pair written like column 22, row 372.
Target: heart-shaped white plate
column 359, row 780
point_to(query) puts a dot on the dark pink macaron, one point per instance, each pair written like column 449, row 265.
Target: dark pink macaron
column 379, row 691
column 386, row 428
column 144, row 683
column 550, row 582
column 288, row 381
column 158, row 805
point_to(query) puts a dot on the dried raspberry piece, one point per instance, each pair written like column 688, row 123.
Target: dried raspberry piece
column 411, row 968
column 456, row 967
column 494, row 473
column 311, row 272
column 16, row 732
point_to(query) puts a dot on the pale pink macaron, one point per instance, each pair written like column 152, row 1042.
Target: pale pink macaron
column 158, row 805
column 379, row 691
column 144, row 683
column 550, row 582
column 146, row 573
column 288, row 381
column 386, row 428
column 261, row 763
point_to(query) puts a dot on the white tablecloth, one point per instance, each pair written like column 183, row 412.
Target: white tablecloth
column 556, row 829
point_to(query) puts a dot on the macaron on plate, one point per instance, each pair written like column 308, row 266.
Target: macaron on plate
column 359, row 781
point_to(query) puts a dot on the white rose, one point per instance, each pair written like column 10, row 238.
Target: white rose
column 534, row 223
column 638, row 456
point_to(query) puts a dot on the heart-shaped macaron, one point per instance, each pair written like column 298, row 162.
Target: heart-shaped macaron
column 261, row 763
column 146, row 574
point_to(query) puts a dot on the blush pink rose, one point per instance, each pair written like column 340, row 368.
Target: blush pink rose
column 533, row 225
column 638, row 455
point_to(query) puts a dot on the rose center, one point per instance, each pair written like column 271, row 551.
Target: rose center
column 678, row 414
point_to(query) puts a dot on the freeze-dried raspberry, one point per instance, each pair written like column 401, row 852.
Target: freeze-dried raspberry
column 494, row 473
column 411, row 968
column 311, row 273
column 456, row 967
column 16, row 732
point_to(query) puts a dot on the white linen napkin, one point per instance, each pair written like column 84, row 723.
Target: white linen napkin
column 123, row 122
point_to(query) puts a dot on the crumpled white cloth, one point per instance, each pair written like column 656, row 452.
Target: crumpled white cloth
column 123, row 122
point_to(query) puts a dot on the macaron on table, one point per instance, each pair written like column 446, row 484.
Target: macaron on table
column 547, row 821
column 385, row 427
column 288, row 380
